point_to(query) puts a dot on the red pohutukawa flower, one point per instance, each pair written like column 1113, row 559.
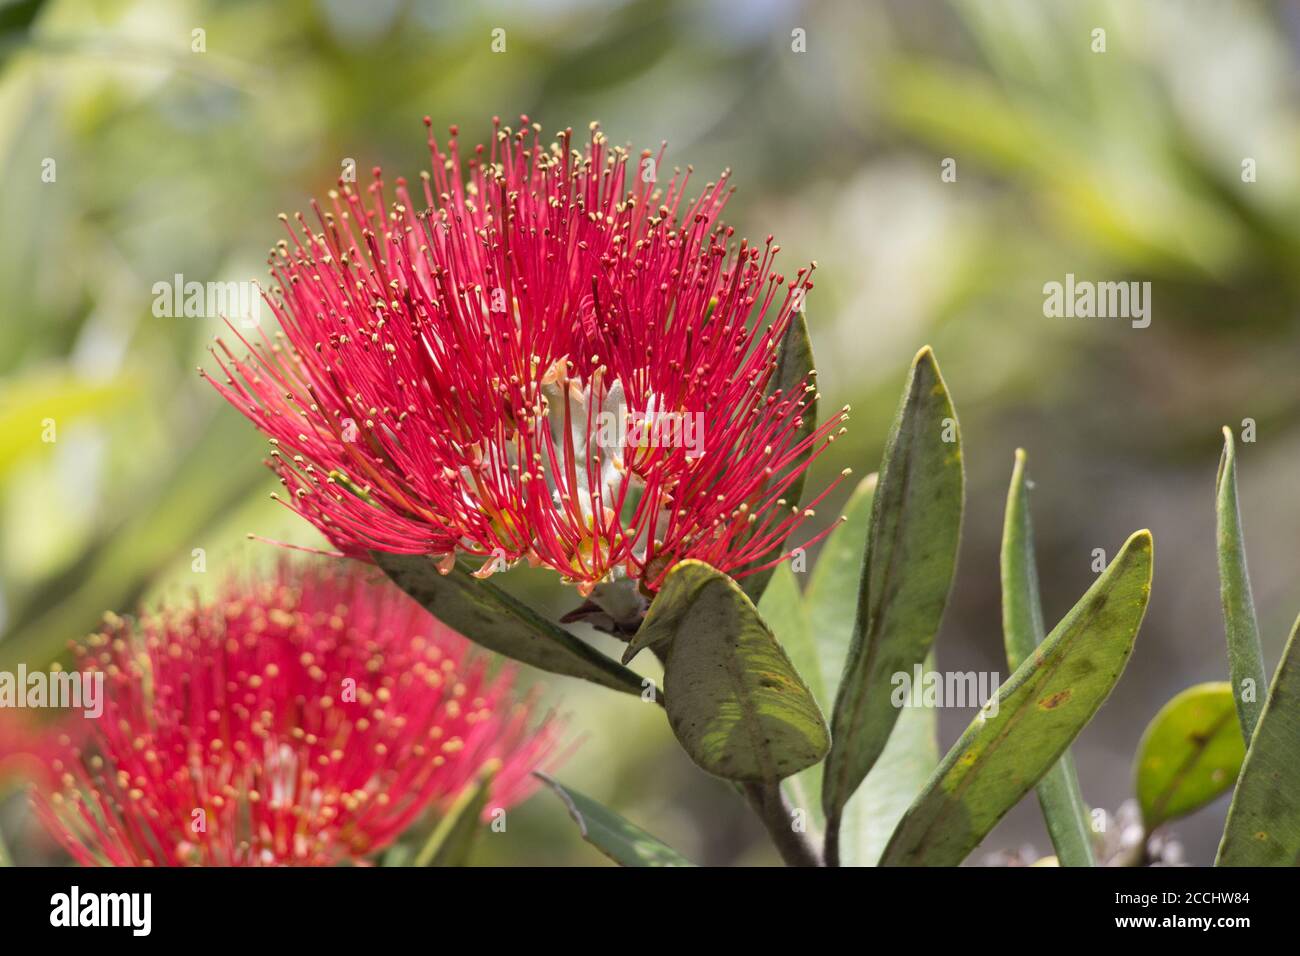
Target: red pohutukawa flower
column 305, row 720
column 541, row 354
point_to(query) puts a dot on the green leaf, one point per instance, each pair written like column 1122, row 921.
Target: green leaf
column 1022, row 609
column 908, row 569
column 1245, row 659
column 737, row 705
column 912, row 751
column 1066, row 813
column 623, row 842
column 832, row 595
column 1062, row 803
column 1263, row 827
column 905, row 765
column 1031, row 720
column 795, row 371
column 815, row 632
column 451, row 840
column 1190, row 753
column 489, row 616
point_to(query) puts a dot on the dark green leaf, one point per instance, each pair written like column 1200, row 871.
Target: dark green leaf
column 1245, row 660
column 737, row 705
column 1031, row 720
column 1190, row 753
column 815, row 632
column 1263, row 827
column 1059, row 796
column 832, row 595
column 624, row 843
column 491, row 617
column 912, row 751
column 906, row 576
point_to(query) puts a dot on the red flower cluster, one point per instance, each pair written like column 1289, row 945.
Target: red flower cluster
column 306, row 720
column 540, row 355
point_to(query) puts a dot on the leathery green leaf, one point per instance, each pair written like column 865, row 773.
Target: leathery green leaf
column 906, row 575
column 815, row 632
column 904, row 766
column 912, row 751
column 1263, row 827
column 1059, row 796
column 492, row 618
column 1031, row 720
column 1190, row 753
column 737, row 705
column 795, row 371
column 623, row 842
column 832, row 595
column 1245, row 659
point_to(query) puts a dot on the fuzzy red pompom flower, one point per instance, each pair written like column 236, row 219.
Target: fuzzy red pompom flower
column 538, row 355
column 305, row 720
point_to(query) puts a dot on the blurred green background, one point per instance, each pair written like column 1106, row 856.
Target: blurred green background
column 1122, row 165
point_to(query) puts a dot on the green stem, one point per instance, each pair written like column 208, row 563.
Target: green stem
column 832, row 848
